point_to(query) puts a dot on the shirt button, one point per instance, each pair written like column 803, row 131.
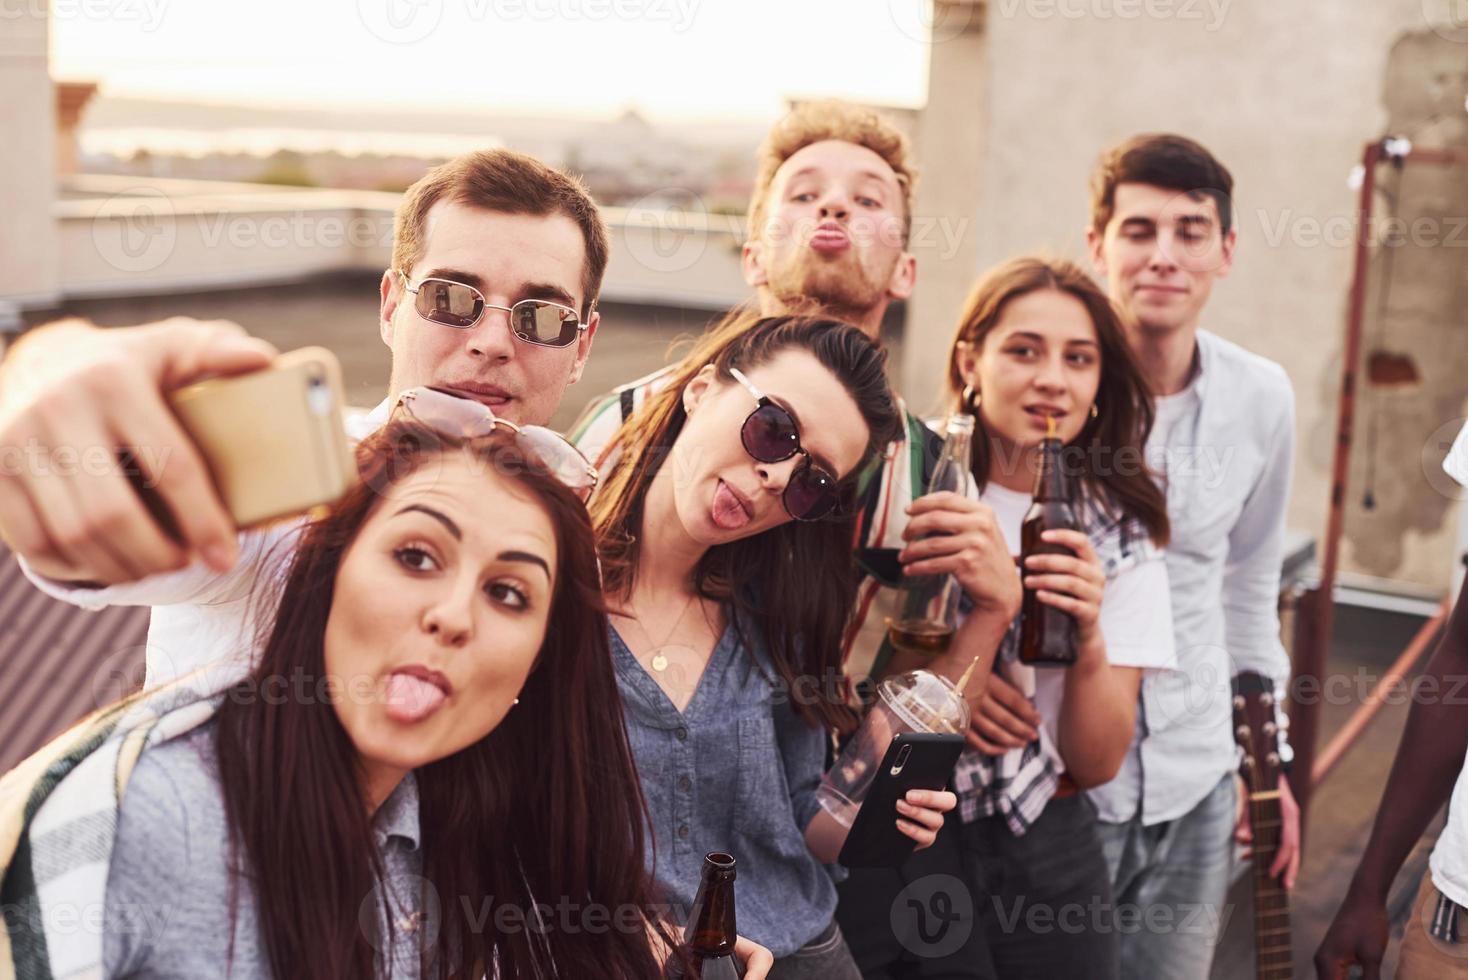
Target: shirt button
column 682, row 734
column 684, row 783
column 683, row 832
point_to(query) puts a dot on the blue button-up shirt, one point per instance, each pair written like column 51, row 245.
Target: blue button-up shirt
column 735, row 771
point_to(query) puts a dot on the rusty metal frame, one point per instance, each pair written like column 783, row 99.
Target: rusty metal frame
column 1315, row 614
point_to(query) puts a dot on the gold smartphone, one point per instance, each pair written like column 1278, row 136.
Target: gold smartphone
column 274, row 439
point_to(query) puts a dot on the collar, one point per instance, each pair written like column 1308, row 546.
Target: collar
column 360, row 425
column 398, row 815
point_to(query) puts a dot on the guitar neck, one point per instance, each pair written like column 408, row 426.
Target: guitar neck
column 1274, row 957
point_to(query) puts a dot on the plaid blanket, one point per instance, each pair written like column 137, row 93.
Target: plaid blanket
column 58, row 820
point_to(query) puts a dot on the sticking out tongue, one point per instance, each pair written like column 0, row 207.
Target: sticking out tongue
column 729, row 513
column 411, row 699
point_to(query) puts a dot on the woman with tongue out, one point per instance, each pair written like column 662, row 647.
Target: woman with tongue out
column 725, row 538
column 415, row 769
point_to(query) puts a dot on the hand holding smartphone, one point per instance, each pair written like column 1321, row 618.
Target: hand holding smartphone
column 273, row 440
column 914, row 760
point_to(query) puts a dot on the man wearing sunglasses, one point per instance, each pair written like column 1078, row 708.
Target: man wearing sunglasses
column 497, row 262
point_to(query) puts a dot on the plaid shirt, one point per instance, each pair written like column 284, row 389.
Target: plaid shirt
column 1019, row 783
column 885, row 490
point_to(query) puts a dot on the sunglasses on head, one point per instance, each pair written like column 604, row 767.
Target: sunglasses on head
column 770, row 435
column 454, row 304
column 457, row 417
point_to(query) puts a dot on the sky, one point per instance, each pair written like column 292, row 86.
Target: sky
column 695, row 59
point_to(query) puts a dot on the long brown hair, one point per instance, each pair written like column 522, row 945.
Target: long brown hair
column 546, row 808
column 1124, row 405
column 795, row 583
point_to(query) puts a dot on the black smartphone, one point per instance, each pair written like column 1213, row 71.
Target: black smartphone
column 914, row 760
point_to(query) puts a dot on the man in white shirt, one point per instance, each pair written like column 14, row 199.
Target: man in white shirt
column 1430, row 765
column 1223, row 445
column 496, row 220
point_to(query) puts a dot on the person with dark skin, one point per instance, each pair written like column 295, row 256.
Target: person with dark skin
column 1426, row 772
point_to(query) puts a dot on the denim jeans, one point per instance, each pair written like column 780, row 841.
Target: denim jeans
column 823, row 958
column 1171, row 883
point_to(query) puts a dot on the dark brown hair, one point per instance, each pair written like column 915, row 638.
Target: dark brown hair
column 545, row 808
column 1162, row 160
column 795, row 583
column 509, row 182
column 828, row 119
column 1123, row 402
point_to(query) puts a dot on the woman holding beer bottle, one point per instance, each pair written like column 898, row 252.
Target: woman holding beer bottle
column 726, row 558
column 1061, row 414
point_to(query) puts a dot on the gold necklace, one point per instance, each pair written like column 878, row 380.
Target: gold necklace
column 659, row 661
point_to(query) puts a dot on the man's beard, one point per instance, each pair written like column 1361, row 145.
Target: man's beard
column 841, row 288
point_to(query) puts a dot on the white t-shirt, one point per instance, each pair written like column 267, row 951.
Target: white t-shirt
column 1136, row 619
column 1449, row 861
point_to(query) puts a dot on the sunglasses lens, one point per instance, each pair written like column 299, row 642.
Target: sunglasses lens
column 770, row 435
column 545, row 323
column 452, row 304
column 811, row 493
column 450, row 415
column 563, row 460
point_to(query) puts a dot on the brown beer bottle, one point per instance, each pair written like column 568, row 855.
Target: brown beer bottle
column 927, row 609
column 1048, row 635
column 709, row 937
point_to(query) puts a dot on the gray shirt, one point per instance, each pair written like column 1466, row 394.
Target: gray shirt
column 735, row 771
column 168, row 887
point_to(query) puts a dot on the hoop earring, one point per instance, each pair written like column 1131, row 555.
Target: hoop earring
column 971, row 399
column 1095, row 412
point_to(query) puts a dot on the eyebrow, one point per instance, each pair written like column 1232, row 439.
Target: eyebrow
column 820, row 458
column 527, row 558
column 443, row 519
column 876, row 175
column 1031, row 335
column 447, row 522
column 530, row 290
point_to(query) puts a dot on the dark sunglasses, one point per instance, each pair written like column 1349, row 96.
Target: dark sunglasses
column 770, row 435
column 454, row 304
column 464, row 418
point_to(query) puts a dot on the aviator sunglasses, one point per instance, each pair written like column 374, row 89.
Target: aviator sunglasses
column 458, row 417
column 454, row 304
column 770, row 435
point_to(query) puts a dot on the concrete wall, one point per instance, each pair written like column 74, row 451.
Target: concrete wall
column 1286, row 95
column 28, row 263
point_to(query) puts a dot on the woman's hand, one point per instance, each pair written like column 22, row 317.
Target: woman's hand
column 949, row 534
column 924, row 811
column 1002, row 718
column 1073, row 584
column 757, row 960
